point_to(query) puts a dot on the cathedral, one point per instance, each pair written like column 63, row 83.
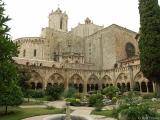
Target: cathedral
column 89, row 57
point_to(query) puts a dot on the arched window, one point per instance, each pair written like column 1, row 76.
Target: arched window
column 35, row 53
column 24, row 53
column 130, row 50
column 61, row 23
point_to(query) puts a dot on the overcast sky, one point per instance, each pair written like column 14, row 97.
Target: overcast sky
column 29, row 16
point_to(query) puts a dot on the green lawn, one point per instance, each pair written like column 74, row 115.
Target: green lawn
column 37, row 102
column 21, row 113
column 107, row 113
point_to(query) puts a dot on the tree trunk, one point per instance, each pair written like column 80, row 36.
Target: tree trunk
column 157, row 86
column 6, row 110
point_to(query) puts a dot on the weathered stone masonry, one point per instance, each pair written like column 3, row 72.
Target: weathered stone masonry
column 89, row 57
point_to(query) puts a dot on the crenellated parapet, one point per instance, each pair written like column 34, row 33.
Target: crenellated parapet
column 33, row 40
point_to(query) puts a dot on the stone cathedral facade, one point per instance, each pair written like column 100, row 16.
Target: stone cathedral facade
column 89, row 57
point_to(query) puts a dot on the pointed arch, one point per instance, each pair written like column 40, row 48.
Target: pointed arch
column 93, row 82
column 76, row 78
column 36, row 80
column 106, row 79
column 122, row 77
column 56, row 78
column 138, row 76
column 93, row 79
column 76, row 82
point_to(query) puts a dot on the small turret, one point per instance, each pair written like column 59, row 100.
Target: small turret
column 87, row 21
column 58, row 20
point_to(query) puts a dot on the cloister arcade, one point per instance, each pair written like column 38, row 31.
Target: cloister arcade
column 77, row 82
column 142, row 84
column 91, row 81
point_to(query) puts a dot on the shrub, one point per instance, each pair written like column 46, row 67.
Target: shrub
column 138, row 112
column 70, row 93
column 149, row 96
column 114, row 100
column 119, row 109
column 98, row 105
column 36, row 93
column 95, row 100
column 74, row 101
column 132, row 98
column 134, row 112
column 54, row 92
column 79, row 95
column 110, row 91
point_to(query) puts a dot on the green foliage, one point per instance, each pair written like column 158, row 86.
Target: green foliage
column 36, row 93
column 114, row 100
column 12, row 96
column 70, row 93
column 10, row 93
column 54, row 92
column 24, row 76
column 149, row 96
column 149, row 42
column 132, row 98
column 22, row 113
column 107, row 113
column 134, row 108
column 74, row 101
column 110, row 91
column 50, row 108
column 96, row 100
column 136, row 112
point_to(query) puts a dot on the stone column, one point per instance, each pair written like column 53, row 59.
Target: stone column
column 140, row 87
column 147, row 87
column 85, row 87
column 131, row 77
column 44, row 85
column 154, row 88
column 66, row 80
column 45, row 81
column 100, row 82
column 35, row 85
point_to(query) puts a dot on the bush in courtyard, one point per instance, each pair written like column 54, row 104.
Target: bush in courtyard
column 70, row 93
column 79, row 95
column 99, row 104
column 110, row 91
column 74, row 101
column 114, row 100
column 54, row 92
column 96, row 100
column 133, row 108
column 149, row 96
column 134, row 112
column 36, row 93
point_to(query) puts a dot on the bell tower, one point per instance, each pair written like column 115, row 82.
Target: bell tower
column 58, row 20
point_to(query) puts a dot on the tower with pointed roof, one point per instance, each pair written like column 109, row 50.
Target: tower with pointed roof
column 58, row 20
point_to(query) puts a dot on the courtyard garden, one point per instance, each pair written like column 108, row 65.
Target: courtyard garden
column 110, row 102
column 18, row 113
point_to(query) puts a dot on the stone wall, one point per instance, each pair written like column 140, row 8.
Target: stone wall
column 126, row 77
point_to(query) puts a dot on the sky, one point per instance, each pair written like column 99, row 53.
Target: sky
column 30, row 16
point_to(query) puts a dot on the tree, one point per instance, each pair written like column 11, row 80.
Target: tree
column 54, row 92
column 149, row 42
column 10, row 92
column 25, row 76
